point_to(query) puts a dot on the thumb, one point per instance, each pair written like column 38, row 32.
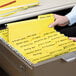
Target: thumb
column 72, row 38
column 53, row 24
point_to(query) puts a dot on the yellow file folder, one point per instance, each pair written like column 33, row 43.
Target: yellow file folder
column 34, row 40
column 4, row 3
column 9, row 7
column 17, row 3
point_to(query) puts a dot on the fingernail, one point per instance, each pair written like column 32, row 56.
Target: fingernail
column 50, row 26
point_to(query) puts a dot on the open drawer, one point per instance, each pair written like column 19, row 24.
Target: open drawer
column 16, row 65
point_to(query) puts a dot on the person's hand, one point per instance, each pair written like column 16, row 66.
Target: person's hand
column 60, row 21
column 72, row 38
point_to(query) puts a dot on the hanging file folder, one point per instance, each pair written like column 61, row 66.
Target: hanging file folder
column 34, row 40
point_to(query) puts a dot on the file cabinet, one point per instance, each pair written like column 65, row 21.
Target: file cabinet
column 16, row 65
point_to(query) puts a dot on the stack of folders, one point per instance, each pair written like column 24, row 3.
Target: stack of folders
column 9, row 7
column 34, row 40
